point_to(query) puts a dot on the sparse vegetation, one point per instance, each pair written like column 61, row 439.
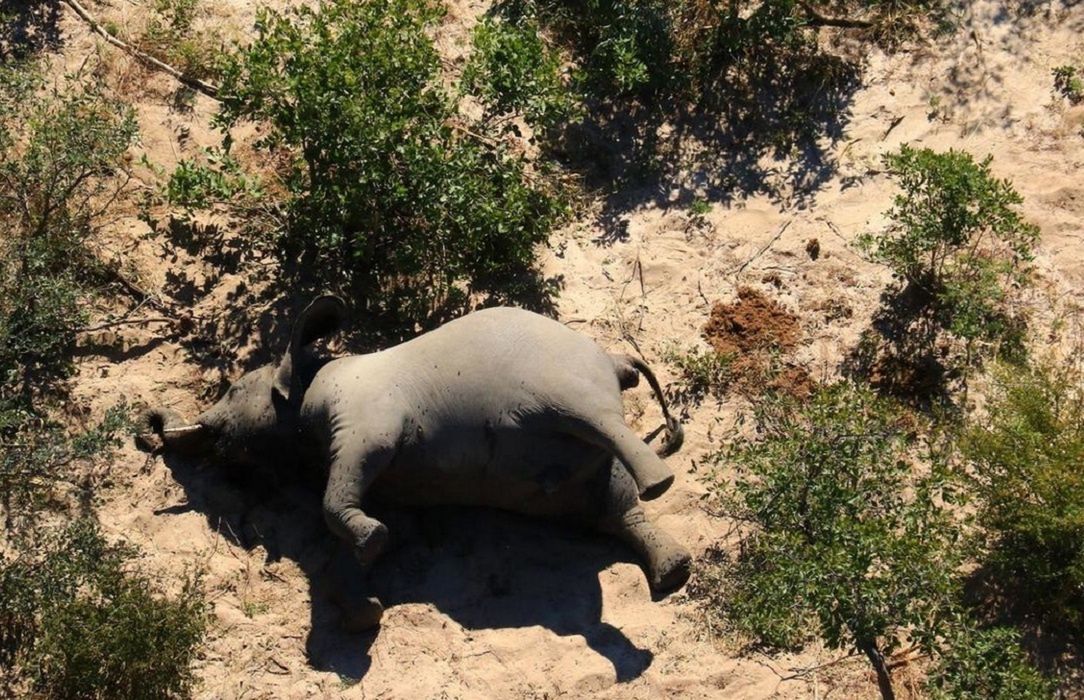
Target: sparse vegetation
column 700, row 207
column 1024, row 463
column 59, row 151
column 702, row 372
column 1069, row 83
column 217, row 178
column 845, row 539
column 76, row 622
column 36, row 459
column 171, row 34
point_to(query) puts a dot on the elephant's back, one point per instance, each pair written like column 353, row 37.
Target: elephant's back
column 509, row 342
column 504, row 329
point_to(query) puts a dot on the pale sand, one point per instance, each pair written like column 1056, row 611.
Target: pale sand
column 500, row 608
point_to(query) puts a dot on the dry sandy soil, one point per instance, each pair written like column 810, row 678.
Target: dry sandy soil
column 488, row 606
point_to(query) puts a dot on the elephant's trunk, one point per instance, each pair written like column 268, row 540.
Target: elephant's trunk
column 162, row 429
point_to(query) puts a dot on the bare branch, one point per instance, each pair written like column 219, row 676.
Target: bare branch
column 195, row 83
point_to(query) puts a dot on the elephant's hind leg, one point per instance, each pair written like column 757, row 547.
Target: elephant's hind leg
column 665, row 562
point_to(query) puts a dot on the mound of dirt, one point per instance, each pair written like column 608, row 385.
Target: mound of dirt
column 754, row 322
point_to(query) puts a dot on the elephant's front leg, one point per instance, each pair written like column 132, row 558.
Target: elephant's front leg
column 665, row 562
column 349, row 477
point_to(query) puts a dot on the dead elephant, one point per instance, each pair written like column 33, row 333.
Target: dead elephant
column 501, row 408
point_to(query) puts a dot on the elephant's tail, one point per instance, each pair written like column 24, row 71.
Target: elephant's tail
column 675, row 434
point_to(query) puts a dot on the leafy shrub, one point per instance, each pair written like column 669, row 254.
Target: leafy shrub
column 1069, row 84
column 702, row 372
column 512, row 71
column 217, row 178
column 627, row 46
column 75, row 623
column 37, row 456
column 986, row 665
column 58, row 153
column 957, row 237
column 386, row 194
column 846, row 541
column 1024, row 464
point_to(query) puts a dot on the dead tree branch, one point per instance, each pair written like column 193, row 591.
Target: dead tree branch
column 195, row 83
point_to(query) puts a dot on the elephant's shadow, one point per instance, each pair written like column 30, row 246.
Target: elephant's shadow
column 484, row 569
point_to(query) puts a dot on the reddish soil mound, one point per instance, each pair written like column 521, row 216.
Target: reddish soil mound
column 755, row 331
column 753, row 322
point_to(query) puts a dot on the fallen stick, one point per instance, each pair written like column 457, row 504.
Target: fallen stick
column 763, row 250
column 124, row 322
column 194, row 83
column 138, row 293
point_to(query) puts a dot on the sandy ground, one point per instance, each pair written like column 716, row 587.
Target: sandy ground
column 489, row 606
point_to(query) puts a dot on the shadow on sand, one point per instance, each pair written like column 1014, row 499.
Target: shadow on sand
column 484, row 569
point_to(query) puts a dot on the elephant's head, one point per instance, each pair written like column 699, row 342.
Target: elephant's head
column 256, row 423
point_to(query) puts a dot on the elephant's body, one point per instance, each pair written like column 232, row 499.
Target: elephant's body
column 498, row 432
column 501, row 408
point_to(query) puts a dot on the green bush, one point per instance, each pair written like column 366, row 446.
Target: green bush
column 59, row 151
column 759, row 64
column 37, row 458
column 846, row 540
column 957, row 237
column 512, row 71
column 627, row 47
column 1069, row 84
column 702, row 372
column 986, row 665
column 1024, row 464
column 386, row 194
column 75, row 623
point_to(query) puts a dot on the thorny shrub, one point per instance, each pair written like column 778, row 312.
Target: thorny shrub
column 512, row 71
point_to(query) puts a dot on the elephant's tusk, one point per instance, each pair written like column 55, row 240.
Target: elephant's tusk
column 183, row 430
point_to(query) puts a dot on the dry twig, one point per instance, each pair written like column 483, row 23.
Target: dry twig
column 195, row 83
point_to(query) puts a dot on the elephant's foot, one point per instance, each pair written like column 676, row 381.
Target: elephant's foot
column 363, row 616
column 671, row 573
column 666, row 563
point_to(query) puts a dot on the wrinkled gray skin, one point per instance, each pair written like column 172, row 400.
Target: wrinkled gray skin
column 501, row 408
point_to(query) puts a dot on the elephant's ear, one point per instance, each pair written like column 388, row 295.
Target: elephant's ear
column 321, row 318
